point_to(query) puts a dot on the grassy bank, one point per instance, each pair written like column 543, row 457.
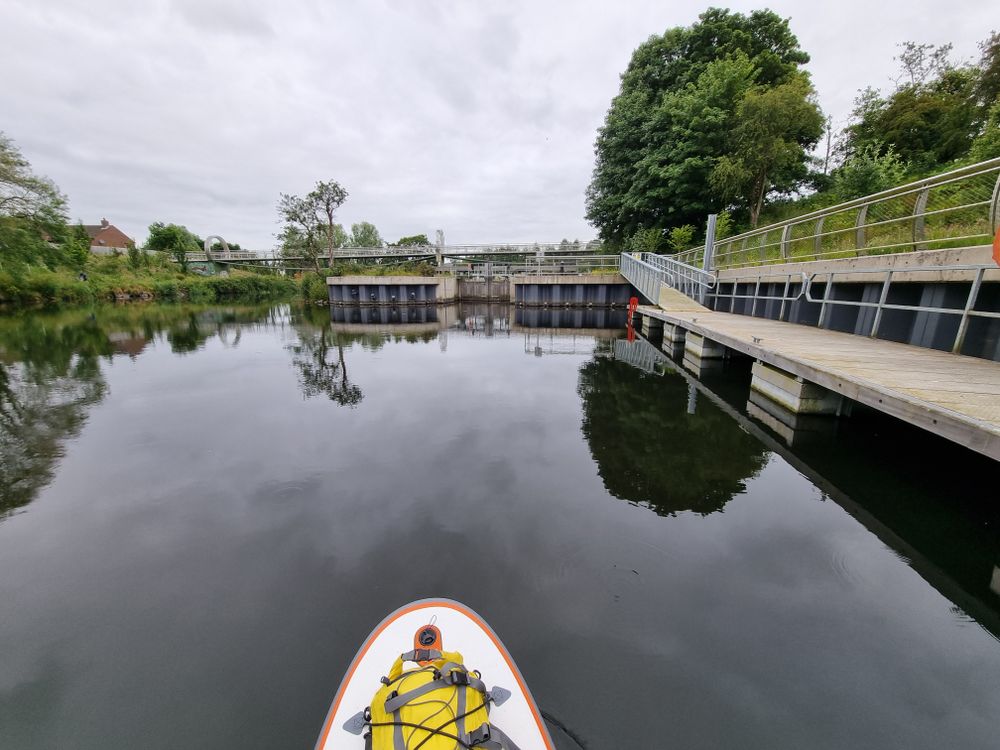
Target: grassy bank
column 111, row 279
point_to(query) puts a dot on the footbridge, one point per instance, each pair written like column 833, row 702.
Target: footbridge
column 511, row 252
column 891, row 301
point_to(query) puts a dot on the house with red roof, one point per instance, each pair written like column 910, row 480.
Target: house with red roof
column 106, row 238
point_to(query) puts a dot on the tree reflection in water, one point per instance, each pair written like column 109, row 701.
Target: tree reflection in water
column 650, row 451
column 49, row 376
column 318, row 355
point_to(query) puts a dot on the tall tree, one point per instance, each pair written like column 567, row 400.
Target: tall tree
column 32, row 211
column 364, row 234
column 988, row 85
column 673, row 115
column 327, row 197
column 770, row 129
column 309, row 225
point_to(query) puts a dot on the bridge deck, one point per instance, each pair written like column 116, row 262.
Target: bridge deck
column 951, row 395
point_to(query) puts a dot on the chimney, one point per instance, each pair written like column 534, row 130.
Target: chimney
column 104, row 224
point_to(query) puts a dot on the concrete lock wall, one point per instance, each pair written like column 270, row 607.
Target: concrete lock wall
column 588, row 290
column 391, row 290
column 592, row 290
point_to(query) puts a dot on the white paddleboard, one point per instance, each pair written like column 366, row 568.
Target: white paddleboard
column 461, row 630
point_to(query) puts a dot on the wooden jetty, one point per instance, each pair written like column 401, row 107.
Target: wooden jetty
column 954, row 396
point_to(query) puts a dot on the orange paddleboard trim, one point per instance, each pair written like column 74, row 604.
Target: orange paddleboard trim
column 424, row 604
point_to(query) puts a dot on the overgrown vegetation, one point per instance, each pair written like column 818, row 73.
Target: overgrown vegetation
column 110, row 278
column 44, row 260
column 719, row 117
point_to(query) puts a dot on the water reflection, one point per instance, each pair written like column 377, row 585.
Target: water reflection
column 318, row 355
column 652, row 449
column 50, row 375
column 915, row 512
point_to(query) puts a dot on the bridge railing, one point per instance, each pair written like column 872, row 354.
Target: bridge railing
column 960, row 208
column 647, row 271
column 561, row 265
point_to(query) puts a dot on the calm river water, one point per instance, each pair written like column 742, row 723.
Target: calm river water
column 203, row 511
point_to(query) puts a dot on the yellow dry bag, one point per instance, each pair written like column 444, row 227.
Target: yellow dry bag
column 439, row 705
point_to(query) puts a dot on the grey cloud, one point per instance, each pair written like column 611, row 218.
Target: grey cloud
column 222, row 17
column 476, row 118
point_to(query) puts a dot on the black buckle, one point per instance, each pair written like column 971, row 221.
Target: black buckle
column 459, row 678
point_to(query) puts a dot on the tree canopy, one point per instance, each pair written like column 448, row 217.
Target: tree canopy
column 936, row 111
column 308, row 222
column 670, row 129
column 416, row 240
column 364, row 234
column 32, row 213
column 174, row 240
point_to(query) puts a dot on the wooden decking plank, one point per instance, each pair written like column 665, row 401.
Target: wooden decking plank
column 952, row 395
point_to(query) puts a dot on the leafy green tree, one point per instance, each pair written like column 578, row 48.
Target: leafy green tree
column 300, row 235
column 32, row 212
column 364, row 234
column 416, row 240
column 645, row 241
column 681, row 238
column 672, row 118
column 987, row 144
column 78, row 247
column 340, row 236
column 137, row 259
column 870, row 170
column 988, row 85
column 309, row 227
column 771, row 129
column 173, row 240
column 929, row 119
column 327, row 198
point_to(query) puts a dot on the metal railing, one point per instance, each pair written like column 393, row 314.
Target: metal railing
column 798, row 286
column 793, row 289
column 535, row 249
column 966, row 312
column 960, row 208
column 569, row 265
column 648, row 271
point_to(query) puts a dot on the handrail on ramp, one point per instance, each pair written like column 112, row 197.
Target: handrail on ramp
column 647, row 271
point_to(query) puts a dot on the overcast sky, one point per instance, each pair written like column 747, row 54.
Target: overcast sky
column 477, row 118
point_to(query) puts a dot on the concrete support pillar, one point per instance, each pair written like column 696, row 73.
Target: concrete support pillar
column 792, row 392
column 699, row 366
column 673, row 340
column 651, row 325
column 698, row 346
column 794, row 429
